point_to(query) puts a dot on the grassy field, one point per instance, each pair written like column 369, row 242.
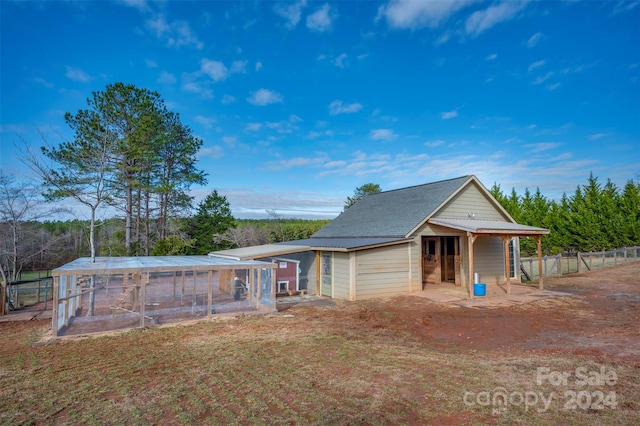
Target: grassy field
column 34, row 275
column 30, row 293
column 355, row 363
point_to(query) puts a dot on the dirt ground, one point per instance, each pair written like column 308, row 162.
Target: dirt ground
column 600, row 319
column 381, row 361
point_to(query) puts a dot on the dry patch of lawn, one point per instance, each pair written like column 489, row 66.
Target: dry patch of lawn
column 394, row 361
column 273, row 371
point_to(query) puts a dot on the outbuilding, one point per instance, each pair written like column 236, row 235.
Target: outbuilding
column 399, row 241
column 109, row 293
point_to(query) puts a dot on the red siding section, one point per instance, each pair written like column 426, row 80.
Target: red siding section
column 287, row 271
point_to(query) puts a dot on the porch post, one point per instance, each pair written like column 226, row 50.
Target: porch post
column 471, row 238
column 507, row 261
column 540, row 280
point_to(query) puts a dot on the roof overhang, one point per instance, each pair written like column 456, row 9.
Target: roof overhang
column 488, row 227
column 260, row 252
column 311, row 244
column 346, row 244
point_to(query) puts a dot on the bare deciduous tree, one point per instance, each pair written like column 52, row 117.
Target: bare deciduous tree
column 20, row 242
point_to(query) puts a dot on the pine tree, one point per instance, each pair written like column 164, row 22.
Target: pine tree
column 212, row 220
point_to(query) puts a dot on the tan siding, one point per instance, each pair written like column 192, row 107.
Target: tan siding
column 471, row 200
column 436, row 231
column 415, row 273
column 488, row 259
column 382, row 272
column 308, row 276
column 341, row 275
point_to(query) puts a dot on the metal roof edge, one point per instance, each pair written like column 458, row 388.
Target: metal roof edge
column 461, row 224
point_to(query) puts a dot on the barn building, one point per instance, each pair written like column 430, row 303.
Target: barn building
column 400, row 241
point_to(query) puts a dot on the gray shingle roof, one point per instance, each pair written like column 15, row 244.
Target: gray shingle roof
column 297, row 246
column 346, row 243
column 392, row 213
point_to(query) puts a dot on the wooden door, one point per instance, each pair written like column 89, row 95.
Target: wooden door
column 431, row 260
column 450, row 250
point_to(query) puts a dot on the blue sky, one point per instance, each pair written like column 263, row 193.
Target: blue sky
column 298, row 103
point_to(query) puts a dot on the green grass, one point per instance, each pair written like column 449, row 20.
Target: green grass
column 33, row 275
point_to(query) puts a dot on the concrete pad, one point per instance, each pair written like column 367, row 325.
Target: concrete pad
column 496, row 295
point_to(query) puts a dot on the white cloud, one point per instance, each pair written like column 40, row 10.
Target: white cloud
column 625, row 6
column 166, row 78
column 534, row 39
column 542, row 146
column 447, row 115
column 362, row 164
column 150, row 63
column 315, row 135
column 213, row 152
column 230, row 141
column 412, row 14
column 284, row 126
column 43, row 82
column 535, row 65
column 291, row 12
column 141, row 5
column 340, row 60
column 297, row 162
column 239, row 67
column 482, row 20
column 433, row 144
column 217, row 71
column 337, row 107
column 491, row 57
column 253, row 127
column 214, row 69
column 541, row 79
column 383, row 135
column 228, row 99
column 191, row 85
column 159, row 25
column 336, row 164
column 183, row 36
column 76, row 74
column 322, row 19
column 206, row 122
column 552, row 87
column 597, row 136
column 258, row 66
column 264, row 97
column 176, row 33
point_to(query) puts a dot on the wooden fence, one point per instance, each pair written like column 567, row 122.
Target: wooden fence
column 573, row 262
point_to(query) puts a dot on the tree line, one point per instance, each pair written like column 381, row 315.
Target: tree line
column 31, row 241
column 594, row 217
